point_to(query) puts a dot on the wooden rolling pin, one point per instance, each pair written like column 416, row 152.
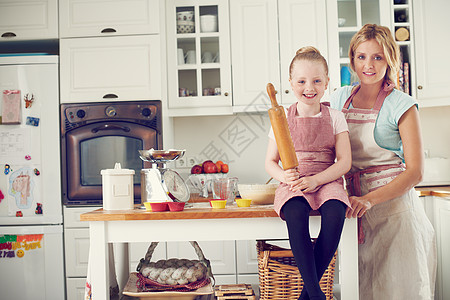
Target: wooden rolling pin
column 281, row 131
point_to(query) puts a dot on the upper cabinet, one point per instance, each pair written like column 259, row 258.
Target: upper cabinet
column 431, row 23
column 83, row 18
column 28, row 19
column 110, row 68
column 345, row 18
column 263, row 46
column 198, row 51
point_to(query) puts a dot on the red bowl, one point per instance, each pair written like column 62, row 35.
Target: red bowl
column 176, row 206
column 159, row 206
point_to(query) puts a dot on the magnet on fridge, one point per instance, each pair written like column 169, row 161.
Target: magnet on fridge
column 38, row 210
column 19, row 213
column 1, row 196
column 27, row 157
column 32, row 121
column 11, row 107
column 28, row 100
column 7, row 169
column 36, row 172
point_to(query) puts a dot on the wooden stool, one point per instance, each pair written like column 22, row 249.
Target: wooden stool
column 234, row 291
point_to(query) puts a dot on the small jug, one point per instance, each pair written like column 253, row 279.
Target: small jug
column 225, row 188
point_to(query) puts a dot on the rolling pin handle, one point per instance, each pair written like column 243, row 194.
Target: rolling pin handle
column 271, row 92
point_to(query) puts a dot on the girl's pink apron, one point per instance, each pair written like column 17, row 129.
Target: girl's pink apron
column 397, row 255
column 314, row 144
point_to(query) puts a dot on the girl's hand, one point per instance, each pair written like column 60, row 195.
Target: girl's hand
column 359, row 206
column 306, row 184
column 291, row 177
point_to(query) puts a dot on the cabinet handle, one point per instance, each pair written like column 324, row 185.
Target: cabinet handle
column 108, row 30
column 8, row 35
column 226, row 94
column 286, row 91
column 110, row 96
column 420, row 87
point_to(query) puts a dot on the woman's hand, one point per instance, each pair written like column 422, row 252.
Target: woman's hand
column 359, row 206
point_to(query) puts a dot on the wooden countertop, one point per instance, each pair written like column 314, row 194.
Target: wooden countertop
column 206, row 212
column 439, row 191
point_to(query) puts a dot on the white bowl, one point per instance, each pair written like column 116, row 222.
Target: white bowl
column 185, row 27
column 341, row 22
column 185, row 15
column 261, row 194
column 208, row 23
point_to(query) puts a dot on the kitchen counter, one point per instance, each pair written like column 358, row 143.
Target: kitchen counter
column 439, row 191
column 202, row 223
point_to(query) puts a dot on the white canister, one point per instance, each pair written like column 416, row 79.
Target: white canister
column 117, row 188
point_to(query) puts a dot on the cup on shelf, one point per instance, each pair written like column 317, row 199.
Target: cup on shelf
column 180, row 55
column 208, row 23
column 207, row 57
column 190, row 57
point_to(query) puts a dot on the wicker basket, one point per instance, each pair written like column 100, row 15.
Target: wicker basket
column 279, row 277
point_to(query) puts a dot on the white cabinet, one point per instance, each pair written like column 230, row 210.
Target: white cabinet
column 431, row 23
column 198, row 64
column 263, row 46
column 82, row 18
column 110, row 68
column 28, row 19
column 442, row 227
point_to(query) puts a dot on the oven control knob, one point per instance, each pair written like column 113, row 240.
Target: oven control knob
column 111, row 111
column 81, row 113
column 146, row 112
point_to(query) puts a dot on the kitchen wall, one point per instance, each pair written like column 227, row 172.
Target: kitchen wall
column 241, row 140
column 435, row 123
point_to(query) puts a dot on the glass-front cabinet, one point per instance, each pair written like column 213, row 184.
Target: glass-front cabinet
column 198, row 55
column 346, row 18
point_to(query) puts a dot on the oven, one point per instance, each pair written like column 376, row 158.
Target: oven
column 94, row 136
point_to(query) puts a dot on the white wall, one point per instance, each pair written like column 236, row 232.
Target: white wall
column 240, row 140
column 435, row 122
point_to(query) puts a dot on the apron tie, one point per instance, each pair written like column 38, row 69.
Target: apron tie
column 354, row 185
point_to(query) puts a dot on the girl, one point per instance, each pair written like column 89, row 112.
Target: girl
column 397, row 254
column 321, row 142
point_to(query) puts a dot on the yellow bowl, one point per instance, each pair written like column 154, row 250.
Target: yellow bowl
column 148, row 206
column 218, row 203
column 243, row 202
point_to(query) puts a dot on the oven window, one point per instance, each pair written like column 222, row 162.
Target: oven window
column 103, row 152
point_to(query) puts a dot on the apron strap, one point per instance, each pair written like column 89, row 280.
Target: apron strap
column 386, row 89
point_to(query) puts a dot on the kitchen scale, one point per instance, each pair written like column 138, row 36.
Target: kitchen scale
column 159, row 183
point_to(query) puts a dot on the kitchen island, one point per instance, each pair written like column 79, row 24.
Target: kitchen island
column 202, row 223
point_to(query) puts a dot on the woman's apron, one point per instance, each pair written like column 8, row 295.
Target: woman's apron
column 397, row 254
column 314, row 144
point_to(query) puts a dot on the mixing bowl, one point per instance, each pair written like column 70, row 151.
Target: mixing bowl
column 260, row 194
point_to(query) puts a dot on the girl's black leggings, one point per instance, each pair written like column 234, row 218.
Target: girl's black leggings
column 312, row 261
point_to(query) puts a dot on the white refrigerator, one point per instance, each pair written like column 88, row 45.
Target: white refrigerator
column 31, row 231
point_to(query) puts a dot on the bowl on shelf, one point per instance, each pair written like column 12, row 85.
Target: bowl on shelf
column 260, row 194
column 341, row 22
column 218, row 203
column 243, row 202
column 185, row 26
column 185, row 15
column 208, row 23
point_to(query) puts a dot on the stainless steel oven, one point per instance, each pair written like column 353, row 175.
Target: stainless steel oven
column 94, row 136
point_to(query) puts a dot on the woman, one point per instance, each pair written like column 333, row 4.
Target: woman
column 397, row 252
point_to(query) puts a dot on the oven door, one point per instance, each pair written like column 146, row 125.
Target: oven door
column 94, row 147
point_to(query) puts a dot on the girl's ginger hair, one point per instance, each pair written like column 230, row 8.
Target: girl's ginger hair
column 308, row 53
column 384, row 38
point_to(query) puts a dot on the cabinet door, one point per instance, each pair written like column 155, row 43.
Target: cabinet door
column 221, row 254
column 110, row 68
column 442, row 223
column 198, row 51
column 76, row 243
column 28, row 19
column 431, row 23
column 304, row 23
column 82, row 18
column 254, row 51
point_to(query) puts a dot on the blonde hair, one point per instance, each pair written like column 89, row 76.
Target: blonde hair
column 308, row 53
column 384, row 38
